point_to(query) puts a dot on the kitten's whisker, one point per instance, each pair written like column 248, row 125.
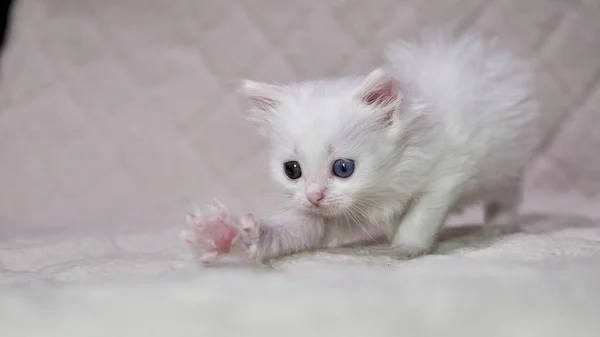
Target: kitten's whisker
column 279, row 194
column 361, row 224
column 284, row 207
column 368, row 202
column 347, row 222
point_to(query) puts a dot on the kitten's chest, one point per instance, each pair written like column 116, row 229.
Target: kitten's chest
column 340, row 232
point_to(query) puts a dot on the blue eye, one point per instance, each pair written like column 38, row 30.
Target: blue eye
column 343, row 168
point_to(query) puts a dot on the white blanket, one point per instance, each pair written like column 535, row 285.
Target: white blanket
column 116, row 115
column 543, row 281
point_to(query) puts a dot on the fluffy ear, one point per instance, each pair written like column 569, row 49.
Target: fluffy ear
column 262, row 96
column 263, row 99
column 381, row 92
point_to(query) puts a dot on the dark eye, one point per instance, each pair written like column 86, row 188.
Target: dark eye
column 292, row 169
column 343, row 168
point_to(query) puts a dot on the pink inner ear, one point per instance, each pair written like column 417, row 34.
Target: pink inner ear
column 382, row 93
column 262, row 102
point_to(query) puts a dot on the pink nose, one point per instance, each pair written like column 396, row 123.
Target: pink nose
column 315, row 197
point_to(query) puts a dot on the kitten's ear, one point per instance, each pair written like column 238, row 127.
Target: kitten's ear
column 261, row 96
column 381, row 92
column 379, row 88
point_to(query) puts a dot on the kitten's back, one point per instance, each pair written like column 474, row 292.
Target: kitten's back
column 481, row 91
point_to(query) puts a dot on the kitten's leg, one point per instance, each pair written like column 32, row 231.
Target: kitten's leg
column 501, row 213
column 417, row 233
column 288, row 233
column 216, row 233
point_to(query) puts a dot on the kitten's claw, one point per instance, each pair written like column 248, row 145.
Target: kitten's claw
column 251, row 230
column 209, row 257
column 250, row 226
column 186, row 237
column 222, row 212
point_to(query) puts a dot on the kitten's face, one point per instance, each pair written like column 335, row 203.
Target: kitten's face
column 329, row 142
column 325, row 161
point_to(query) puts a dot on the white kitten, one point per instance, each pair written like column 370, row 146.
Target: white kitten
column 445, row 124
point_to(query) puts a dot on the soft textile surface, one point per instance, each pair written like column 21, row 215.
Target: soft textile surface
column 407, row 300
column 116, row 115
column 542, row 281
column 548, row 235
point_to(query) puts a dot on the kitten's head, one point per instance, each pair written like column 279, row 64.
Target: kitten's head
column 331, row 139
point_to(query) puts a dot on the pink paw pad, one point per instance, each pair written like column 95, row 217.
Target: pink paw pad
column 222, row 244
column 212, row 232
column 215, row 233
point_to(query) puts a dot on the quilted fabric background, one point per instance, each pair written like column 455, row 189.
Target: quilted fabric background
column 119, row 114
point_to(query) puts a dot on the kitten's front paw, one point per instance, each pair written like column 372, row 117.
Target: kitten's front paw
column 407, row 251
column 215, row 233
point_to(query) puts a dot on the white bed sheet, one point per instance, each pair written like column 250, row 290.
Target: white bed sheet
column 109, row 116
column 543, row 281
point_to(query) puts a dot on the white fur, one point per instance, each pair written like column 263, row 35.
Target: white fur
column 454, row 128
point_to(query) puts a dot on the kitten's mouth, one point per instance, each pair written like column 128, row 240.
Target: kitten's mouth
column 322, row 210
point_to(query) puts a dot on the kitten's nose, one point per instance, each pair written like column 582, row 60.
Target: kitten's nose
column 315, row 197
